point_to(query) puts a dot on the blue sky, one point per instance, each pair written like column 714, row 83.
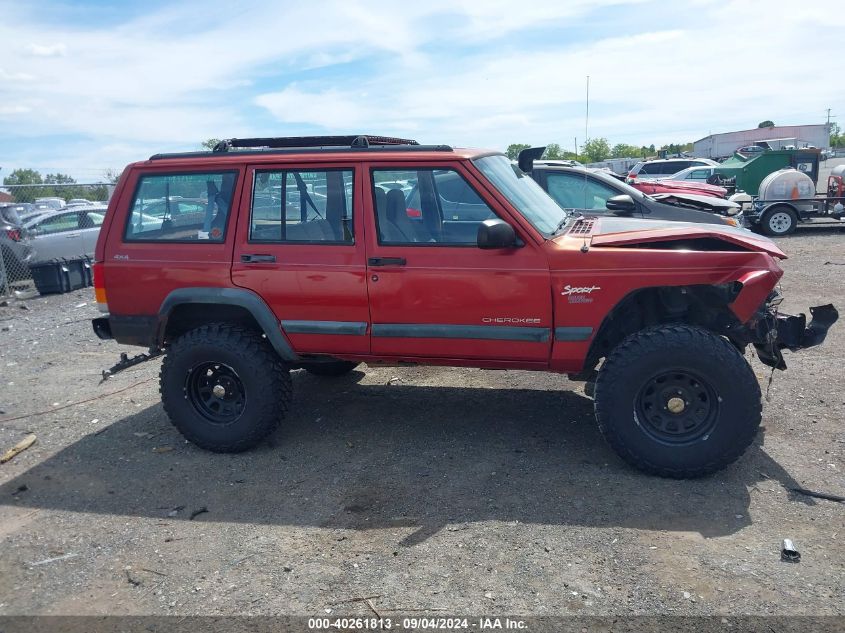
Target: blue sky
column 86, row 86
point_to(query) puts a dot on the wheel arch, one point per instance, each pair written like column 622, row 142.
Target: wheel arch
column 706, row 306
column 186, row 308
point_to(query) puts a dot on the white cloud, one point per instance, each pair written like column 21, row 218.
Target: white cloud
column 178, row 74
column 10, row 110
column 11, row 76
column 48, row 50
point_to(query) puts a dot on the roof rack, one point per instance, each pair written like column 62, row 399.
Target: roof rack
column 298, row 144
column 361, row 141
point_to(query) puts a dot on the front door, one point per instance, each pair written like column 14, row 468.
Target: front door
column 300, row 247
column 433, row 292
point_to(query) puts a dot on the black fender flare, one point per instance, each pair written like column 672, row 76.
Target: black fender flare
column 240, row 297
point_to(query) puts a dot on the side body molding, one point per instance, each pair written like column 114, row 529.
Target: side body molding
column 240, row 297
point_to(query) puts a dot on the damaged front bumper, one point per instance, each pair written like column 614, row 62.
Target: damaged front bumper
column 775, row 332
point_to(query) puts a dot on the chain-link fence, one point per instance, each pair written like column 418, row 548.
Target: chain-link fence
column 43, row 224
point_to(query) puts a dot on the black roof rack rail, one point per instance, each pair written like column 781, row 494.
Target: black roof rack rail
column 361, row 141
column 309, row 144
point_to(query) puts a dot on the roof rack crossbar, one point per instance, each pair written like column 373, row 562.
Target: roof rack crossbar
column 359, row 141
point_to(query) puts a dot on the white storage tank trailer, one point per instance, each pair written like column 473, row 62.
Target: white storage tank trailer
column 787, row 184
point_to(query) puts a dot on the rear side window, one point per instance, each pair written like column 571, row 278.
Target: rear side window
column 293, row 206
column 181, row 207
column 669, row 167
column 651, row 168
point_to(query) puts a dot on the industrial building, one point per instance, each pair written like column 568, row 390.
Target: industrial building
column 721, row 145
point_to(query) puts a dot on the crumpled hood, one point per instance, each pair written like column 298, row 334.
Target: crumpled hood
column 619, row 231
column 692, row 200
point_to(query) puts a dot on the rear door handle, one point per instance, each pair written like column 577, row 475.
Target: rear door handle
column 258, row 259
column 386, row 261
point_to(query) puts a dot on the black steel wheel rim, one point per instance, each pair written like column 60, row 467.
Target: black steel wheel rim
column 216, row 392
column 677, row 407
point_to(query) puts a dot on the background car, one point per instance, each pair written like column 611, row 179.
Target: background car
column 751, row 150
column 663, row 168
column 668, row 185
column 593, row 192
column 696, row 173
column 65, row 234
column 53, row 203
column 14, row 245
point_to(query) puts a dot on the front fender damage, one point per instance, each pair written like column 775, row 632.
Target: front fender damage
column 774, row 332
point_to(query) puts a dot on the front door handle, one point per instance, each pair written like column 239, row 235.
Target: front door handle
column 258, row 259
column 386, row 261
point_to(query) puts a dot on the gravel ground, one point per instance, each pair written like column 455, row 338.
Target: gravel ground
column 446, row 490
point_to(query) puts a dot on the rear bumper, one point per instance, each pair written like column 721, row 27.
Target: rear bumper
column 102, row 328
column 127, row 330
column 776, row 332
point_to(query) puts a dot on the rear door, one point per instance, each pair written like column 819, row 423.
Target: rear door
column 89, row 229
column 57, row 237
column 435, row 294
column 300, row 247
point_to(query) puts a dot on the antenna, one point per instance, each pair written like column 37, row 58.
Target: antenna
column 584, row 246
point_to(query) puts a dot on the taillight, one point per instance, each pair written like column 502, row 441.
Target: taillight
column 14, row 234
column 414, row 213
column 100, row 286
column 632, row 175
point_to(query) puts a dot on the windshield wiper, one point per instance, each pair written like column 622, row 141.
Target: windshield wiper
column 562, row 223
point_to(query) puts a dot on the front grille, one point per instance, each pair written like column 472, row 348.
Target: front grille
column 583, row 226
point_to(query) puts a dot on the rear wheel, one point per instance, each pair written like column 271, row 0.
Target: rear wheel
column 677, row 401
column 779, row 221
column 224, row 388
column 330, row 368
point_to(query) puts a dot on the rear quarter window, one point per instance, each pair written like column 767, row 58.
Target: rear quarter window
column 181, row 207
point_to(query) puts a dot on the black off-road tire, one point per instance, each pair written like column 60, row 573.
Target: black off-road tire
column 788, row 221
column 265, row 381
column 632, row 370
column 332, row 368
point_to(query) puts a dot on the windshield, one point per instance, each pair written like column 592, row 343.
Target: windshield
column 522, row 192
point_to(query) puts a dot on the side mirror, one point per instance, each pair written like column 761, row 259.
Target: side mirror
column 496, row 234
column 621, row 205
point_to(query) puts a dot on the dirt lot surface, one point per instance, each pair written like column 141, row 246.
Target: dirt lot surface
column 449, row 490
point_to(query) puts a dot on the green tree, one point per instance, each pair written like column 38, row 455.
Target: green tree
column 837, row 138
column 23, row 177
column 622, row 150
column 111, row 176
column 595, row 150
column 210, row 143
column 553, row 152
column 27, row 177
column 515, row 148
column 766, row 123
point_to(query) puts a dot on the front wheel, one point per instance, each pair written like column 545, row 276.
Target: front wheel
column 779, row 221
column 677, row 401
column 224, row 388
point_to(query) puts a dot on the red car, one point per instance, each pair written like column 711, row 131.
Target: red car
column 679, row 186
column 303, row 257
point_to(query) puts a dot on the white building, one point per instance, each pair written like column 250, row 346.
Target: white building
column 719, row 145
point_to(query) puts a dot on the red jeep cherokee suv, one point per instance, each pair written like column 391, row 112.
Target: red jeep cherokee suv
column 273, row 254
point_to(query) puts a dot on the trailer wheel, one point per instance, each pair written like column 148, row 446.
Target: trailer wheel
column 778, row 221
